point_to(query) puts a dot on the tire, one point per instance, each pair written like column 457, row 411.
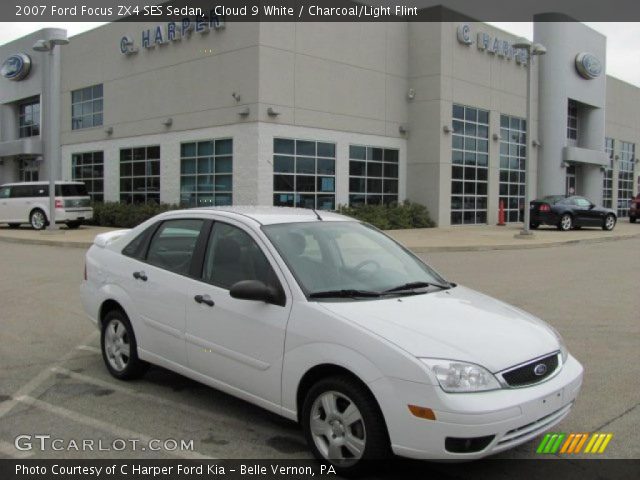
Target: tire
column 37, row 219
column 566, row 222
column 14, row 225
column 73, row 225
column 534, row 226
column 117, row 333
column 631, row 220
column 367, row 432
column 609, row 222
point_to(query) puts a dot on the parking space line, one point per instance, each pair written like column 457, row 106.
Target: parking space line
column 104, row 426
column 11, row 451
column 146, row 396
column 89, row 348
column 35, row 382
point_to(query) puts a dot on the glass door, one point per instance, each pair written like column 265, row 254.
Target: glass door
column 571, row 180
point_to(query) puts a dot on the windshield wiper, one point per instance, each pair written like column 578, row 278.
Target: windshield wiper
column 413, row 286
column 345, row 293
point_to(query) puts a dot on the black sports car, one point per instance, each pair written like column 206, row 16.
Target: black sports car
column 570, row 212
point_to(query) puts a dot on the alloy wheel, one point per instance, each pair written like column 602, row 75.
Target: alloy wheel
column 116, row 345
column 610, row 222
column 337, row 428
column 38, row 220
column 566, row 222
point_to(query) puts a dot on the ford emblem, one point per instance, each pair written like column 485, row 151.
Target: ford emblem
column 540, row 369
column 16, row 67
column 588, row 65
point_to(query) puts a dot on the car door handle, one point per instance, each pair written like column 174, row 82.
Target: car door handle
column 140, row 276
column 206, row 299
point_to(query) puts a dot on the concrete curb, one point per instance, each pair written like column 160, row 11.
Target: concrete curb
column 524, row 245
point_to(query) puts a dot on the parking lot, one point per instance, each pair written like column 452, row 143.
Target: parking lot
column 52, row 380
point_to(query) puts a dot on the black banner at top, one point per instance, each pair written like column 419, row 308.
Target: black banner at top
column 213, row 11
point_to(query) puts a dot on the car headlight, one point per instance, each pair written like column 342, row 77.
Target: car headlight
column 458, row 377
column 563, row 348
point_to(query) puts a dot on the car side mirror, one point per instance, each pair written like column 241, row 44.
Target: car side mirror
column 256, row 290
column 592, row 206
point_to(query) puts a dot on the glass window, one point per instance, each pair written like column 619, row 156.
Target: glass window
column 513, row 147
column 304, row 173
column 29, row 119
column 232, row 256
column 625, row 177
column 607, row 183
column 173, row 244
column 87, row 107
column 88, row 167
column 140, row 175
column 206, row 177
column 470, row 148
column 572, row 119
column 373, row 175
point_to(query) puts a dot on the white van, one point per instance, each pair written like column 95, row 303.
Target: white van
column 28, row 202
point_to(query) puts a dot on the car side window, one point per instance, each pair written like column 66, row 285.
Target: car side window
column 173, row 244
column 135, row 248
column 5, row 192
column 582, row 202
column 232, row 256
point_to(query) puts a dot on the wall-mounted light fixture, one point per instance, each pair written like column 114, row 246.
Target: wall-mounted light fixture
column 616, row 157
column 403, row 130
column 536, row 143
column 496, row 137
column 108, row 130
column 411, row 94
column 565, row 165
column 245, row 112
column 167, row 122
column 236, row 96
column 447, row 129
column 603, row 168
column 272, row 113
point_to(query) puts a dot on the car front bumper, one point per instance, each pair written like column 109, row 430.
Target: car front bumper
column 511, row 416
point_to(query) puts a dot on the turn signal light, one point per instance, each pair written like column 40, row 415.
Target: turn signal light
column 422, row 412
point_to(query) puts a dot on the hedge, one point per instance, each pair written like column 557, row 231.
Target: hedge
column 391, row 217
column 385, row 217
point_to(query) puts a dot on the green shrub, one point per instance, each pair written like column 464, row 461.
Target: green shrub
column 391, row 217
column 122, row 215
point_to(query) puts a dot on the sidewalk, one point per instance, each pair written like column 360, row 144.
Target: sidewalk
column 421, row 240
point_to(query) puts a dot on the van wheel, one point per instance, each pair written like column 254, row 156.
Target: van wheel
column 73, row 225
column 343, row 425
column 38, row 219
column 119, row 347
column 14, row 225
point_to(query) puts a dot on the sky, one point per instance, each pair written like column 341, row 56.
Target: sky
column 622, row 41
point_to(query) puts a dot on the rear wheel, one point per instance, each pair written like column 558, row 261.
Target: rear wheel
column 534, row 226
column 609, row 222
column 38, row 219
column 631, row 219
column 343, row 424
column 566, row 222
column 119, row 347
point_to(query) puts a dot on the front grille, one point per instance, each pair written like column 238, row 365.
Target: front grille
column 532, row 372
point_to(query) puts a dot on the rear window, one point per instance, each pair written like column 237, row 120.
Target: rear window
column 71, row 190
column 552, row 199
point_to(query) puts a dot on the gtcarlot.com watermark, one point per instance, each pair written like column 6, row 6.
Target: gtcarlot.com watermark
column 43, row 442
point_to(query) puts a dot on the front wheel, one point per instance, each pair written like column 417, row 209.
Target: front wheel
column 343, row 424
column 566, row 223
column 609, row 222
column 119, row 347
column 38, row 219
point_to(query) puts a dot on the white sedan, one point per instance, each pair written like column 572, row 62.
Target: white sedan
column 327, row 321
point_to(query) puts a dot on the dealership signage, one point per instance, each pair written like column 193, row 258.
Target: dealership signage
column 588, row 65
column 16, row 67
column 492, row 45
column 170, row 32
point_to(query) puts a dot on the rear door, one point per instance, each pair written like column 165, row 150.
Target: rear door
column 157, row 283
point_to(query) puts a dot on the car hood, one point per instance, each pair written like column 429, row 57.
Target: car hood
column 457, row 324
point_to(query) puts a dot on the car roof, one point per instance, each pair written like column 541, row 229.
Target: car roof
column 273, row 215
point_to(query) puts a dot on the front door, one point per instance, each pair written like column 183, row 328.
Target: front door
column 239, row 343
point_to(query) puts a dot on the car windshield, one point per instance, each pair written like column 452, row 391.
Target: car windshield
column 349, row 259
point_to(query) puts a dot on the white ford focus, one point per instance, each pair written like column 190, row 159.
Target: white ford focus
column 325, row 320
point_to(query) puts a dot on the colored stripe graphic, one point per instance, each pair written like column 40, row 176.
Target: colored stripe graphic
column 572, row 443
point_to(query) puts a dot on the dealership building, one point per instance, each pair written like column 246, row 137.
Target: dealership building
column 323, row 114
